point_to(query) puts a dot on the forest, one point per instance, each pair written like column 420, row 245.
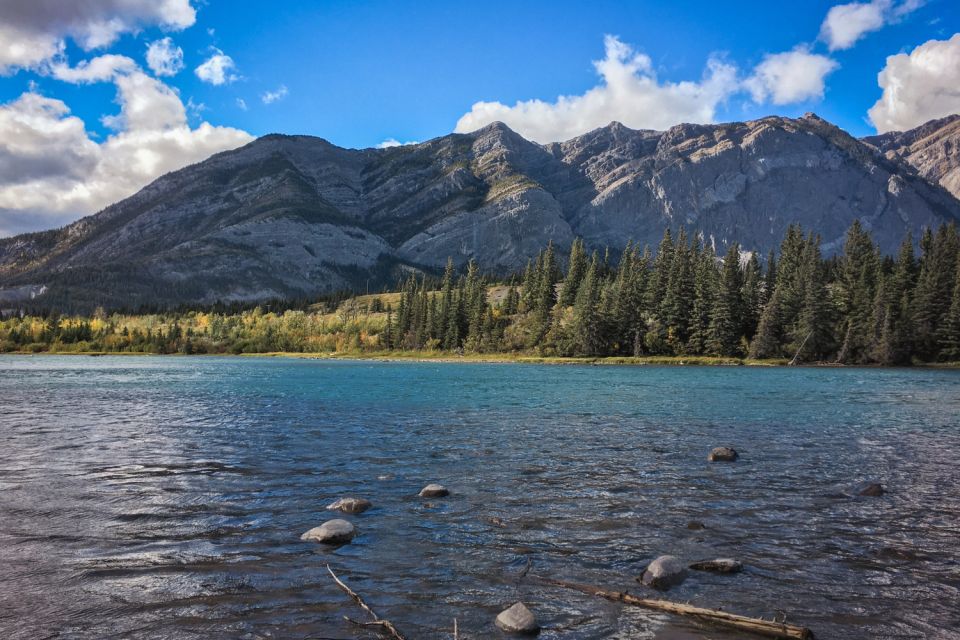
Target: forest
column 857, row 307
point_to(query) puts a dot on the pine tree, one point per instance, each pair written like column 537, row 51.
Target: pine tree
column 769, row 339
column 706, row 286
column 585, row 328
column 949, row 335
column 576, row 270
column 813, row 332
column 677, row 302
column 726, row 317
column 858, row 284
column 934, row 288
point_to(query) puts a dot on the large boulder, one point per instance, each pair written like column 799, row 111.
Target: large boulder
column 719, row 565
column 350, row 505
column 434, row 491
column 723, row 454
column 518, row 619
column 331, row 532
column 663, row 573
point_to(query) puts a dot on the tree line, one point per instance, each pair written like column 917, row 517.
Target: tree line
column 858, row 307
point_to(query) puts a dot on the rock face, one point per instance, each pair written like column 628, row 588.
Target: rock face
column 518, row 619
column 720, row 565
column 933, row 148
column 723, row 454
column 434, row 491
column 663, row 573
column 331, row 532
column 350, row 505
column 288, row 216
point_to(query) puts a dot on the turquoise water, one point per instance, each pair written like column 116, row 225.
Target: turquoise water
column 164, row 497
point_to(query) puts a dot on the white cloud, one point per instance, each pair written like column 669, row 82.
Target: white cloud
column 919, row 86
column 791, row 76
column 32, row 33
column 393, row 142
column 847, row 23
column 217, row 69
column 164, row 58
column 269, row 97
column 242, row 104
column 52, row 171
column 629, row 93
column 100, row 69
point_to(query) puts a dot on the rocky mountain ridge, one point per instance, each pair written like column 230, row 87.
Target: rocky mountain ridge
column 288, row 216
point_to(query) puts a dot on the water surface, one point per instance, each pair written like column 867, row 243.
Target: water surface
column 163, row 497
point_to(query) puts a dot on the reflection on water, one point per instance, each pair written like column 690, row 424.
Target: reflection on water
column 164, row 497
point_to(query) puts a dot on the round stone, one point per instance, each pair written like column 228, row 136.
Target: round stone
column 434, row 491
column 663, row 573
column 720, row 565
column 723, row 454
column 350, row 505
column 331, row 532
column 518, row 619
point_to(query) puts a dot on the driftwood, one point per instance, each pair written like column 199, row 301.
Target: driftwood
column 758, row 626
column 385, row 625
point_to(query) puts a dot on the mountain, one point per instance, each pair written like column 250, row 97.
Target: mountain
column 288, row 216
column 932, row 148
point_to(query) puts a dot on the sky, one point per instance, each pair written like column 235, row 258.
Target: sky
column 98, row 98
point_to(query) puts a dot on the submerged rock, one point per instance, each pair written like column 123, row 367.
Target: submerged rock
column 723, row 454
column 331, row 532
column 663, row 573
column 434, row 491
column 350, row 505
column 871, row 489
column 518, row 619
column 720, row 565
column 696, row 525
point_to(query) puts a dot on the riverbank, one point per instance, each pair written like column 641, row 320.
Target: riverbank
column 502, row 358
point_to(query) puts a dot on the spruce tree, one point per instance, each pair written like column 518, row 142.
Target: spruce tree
column 726, row 315
column 949, row 334
column 576, row 269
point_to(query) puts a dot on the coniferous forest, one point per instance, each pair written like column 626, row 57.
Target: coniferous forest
column 681, row 299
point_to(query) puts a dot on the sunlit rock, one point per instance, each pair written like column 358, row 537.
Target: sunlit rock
column 350, row 505
column 663, row 573
column 434, row 491
column 720, row 565
column 331, row 532
column 518, row 619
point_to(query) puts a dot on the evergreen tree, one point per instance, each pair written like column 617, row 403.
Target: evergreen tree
column 585, row 329
column 934, row 288
column 858, row 285
column 726, row 316
column 576, row 270
column 949, row 334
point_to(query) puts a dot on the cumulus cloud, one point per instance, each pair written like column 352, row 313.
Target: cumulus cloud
column 629, row 92
column 269, row 97
column 52, row 171
column 791, row 76
column 217, row 69
column 847, row 23
column 100, row 69
column 32, row 33
column 919, row 86
column 393, row 142
column 164, row 58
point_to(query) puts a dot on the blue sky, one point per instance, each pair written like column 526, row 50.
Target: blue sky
column 361, row 73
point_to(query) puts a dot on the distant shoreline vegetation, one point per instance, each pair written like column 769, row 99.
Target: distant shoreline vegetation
column 681, row 304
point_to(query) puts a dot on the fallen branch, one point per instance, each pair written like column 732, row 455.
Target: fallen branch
column 386, row 625
column 743, row 623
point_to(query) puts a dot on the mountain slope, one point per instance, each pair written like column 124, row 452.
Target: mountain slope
column 933, row 148
column 290, row 216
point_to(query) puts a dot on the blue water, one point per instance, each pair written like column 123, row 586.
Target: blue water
column 164, row 497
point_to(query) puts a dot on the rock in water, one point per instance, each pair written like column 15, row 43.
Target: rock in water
column 723, row 454
column 720, row 565
column 871, row 489
column 434, row 491
column 518, row 619
column 331, row 532
column 696, row 525
column 663, row 573
column 350, row 505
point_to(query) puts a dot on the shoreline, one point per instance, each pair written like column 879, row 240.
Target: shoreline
column 439, row 357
